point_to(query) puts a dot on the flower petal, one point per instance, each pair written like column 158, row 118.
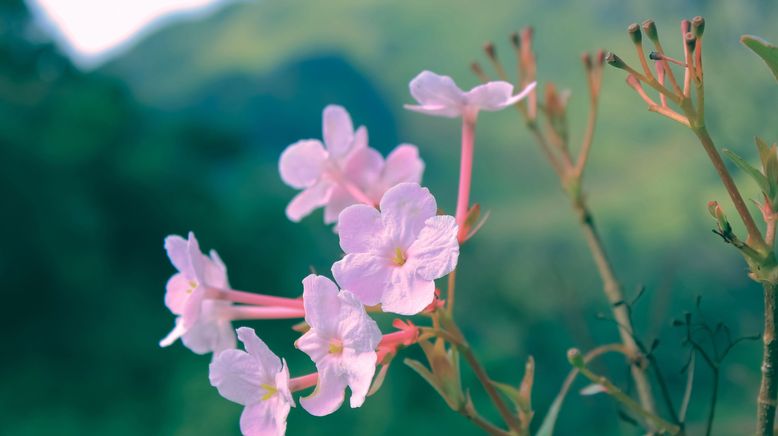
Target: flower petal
column 312, row 344
column 360, row 372
column 307, row 201
column 196, row 259
column 408, row 293
column 363, row 167
column 523, row 94
column 329, row 393
column 431, row 89
column 302, row 163
column 338, row 130
column 174, row 334
column 321, row 303
column 266, row 418
column 357, row 330
column 177, row 291
column 257, row 348
column 178, row 252
column 490, row 96
column 404, row 209
column 435, row 252
column 215, row 271
column 212, row 332
column 238, row 376
column 340, row 199
column 436, row 110
column 403, row 165
column 364, row 274
column 360, row 228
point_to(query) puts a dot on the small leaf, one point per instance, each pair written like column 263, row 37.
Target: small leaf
column 763, row 49
column 378, row 381
column 525, row 388
column 758, row 177
column 507, row 390
column 593, row 389
column 425, row 374
column 549, row 421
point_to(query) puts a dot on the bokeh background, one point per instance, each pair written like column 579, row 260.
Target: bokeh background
column 183, row 132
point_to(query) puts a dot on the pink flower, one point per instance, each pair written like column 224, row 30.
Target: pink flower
column 394, row 256
column 317, row 168
column 342, row 342
column 344, row 170
column 440, row 96
column 201, row 323
column 201, row 297
column 257, row 379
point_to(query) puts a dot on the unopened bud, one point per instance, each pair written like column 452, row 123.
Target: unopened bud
column 654, row 56
column 600, row 56
column 476, row 68
column 686, row 26
column 515, row 39
column 490, row 50
column 586, row 58
column 526, row 34
column 576, row 358
column 717, row 212
column 690, row 40
column 698, row 24
column 634, row 33
column 615, row 61
column 649, row 27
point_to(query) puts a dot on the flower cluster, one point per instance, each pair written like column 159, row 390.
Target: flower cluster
column 396, row 245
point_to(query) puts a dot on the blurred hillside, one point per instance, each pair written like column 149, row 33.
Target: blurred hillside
column 184, row 131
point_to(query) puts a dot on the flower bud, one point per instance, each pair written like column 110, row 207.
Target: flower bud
column 576, row 358
column 600, row 56
column 634, row 33
column 615, row 61
column 649, row 27
column 698, row 25
column 586, row 58
column 690, row 41
column 490, row 50
column 515, row 40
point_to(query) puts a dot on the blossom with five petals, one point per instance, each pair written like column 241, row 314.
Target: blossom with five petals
column 440, row 96
column 343, row 170
column 257, row 379
column 202, row 323
column 342, row 342
column 317, row 168
column 394, row 256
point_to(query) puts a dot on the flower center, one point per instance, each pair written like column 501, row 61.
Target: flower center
column 269, row 391
column 336, row 346
column 192, row 286
column 399, row 257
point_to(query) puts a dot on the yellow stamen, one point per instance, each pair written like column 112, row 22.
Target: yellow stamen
column 336, row 346
column 192, row 286
column 271, row 390
column 399, row 257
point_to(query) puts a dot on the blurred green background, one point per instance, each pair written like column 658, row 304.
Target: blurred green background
column 183, row 132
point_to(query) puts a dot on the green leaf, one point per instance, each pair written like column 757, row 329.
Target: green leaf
column 425, row 374
column 758, row 177
column 507, row 390
column 763, row 49
column 547, row 427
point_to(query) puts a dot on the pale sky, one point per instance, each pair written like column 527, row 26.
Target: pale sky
column 92, row 30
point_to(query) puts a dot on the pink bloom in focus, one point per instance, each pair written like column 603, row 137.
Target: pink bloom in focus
column 342, row 342
column 318, row 169
column 202, row 323
column 257, row 379
column 394, row 256
column 440, row 96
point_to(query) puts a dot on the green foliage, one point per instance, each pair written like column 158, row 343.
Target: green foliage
column 763, row 49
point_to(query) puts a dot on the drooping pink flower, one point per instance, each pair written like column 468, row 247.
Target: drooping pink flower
column 344, row 170
column 257, row 379
column 394, row 256
column 342, row 342
column 199, row 293
column 439, row 96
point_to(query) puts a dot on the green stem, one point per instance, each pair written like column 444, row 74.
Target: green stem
column 483, row 377
column 768, row 389
column 754, row 234
column 615, row 295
